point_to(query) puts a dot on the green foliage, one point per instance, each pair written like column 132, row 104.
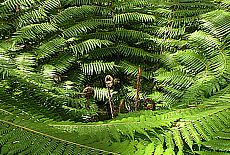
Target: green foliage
column 69, row 41
column 17, row 137
column 50, row 50
column 205, row 64
column 33, row 32
column 163, row 131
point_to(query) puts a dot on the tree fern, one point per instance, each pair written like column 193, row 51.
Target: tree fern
column 206, row 63
column 123, row 130
column 51, row 50
column 184, row 131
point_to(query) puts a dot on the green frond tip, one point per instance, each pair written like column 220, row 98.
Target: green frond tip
column 178, row 79
column 49, row 48
column 217, row 23
column 193, row 62
column 33, row 32
column 98, row 67
column 218, row 145
column 204, row 42
column 178, row 140
column 89, row 45
column 86, row 26
column 210, row 153
column 50, row 5
column 101, row 94
column 223, row 135
column 82, row 11
column 133, row 17
column 128, row 68
column 32, row 17
column 9, row 5
column 128, row 51
column 63, row 61
column 25, row 61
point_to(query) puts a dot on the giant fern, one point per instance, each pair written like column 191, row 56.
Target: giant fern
column 178, row 128
column 206, row 63
column 50, row 50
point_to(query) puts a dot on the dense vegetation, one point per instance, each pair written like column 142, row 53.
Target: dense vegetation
column 169, row 60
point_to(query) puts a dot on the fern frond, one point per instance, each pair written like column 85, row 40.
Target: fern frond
column 186, row 13
column 197, row 75
column 21, row 139
column 210, row 153
column 49, row 71
column 194, row 63
column 146, row 123
column 84, row 2
column 204, row 42
column 187, row 137
column 194, row 134
column 32, row 17
column 98, row 67
column 167, row 32
column 136, row 52
column 102, row 53
column 100, row 94
column 128, row 68
column 168, row 99
column 149, row 149
column 33, row 32
column 225, row 4
column 49, row 5
column 125, row 126
column 124, row 51
column 168, row 44
column 217, row 23
column 5, row 29
column 177, row 78
column 159, row 149
column 222, row 135
column 84, row 27
column 124, row 35
column 89, row 45
column 131, row 94
column 218, row 145
column 203, row 134
column 63, row 62
column 81, row 11
column 178, row 140
column 204, row 87
column 133, row 17
column 131, row 35
column 126, row 6
column 25, row 61
column 50, row 47
column 169, row 140
column 206, row 63
column 10, row 5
